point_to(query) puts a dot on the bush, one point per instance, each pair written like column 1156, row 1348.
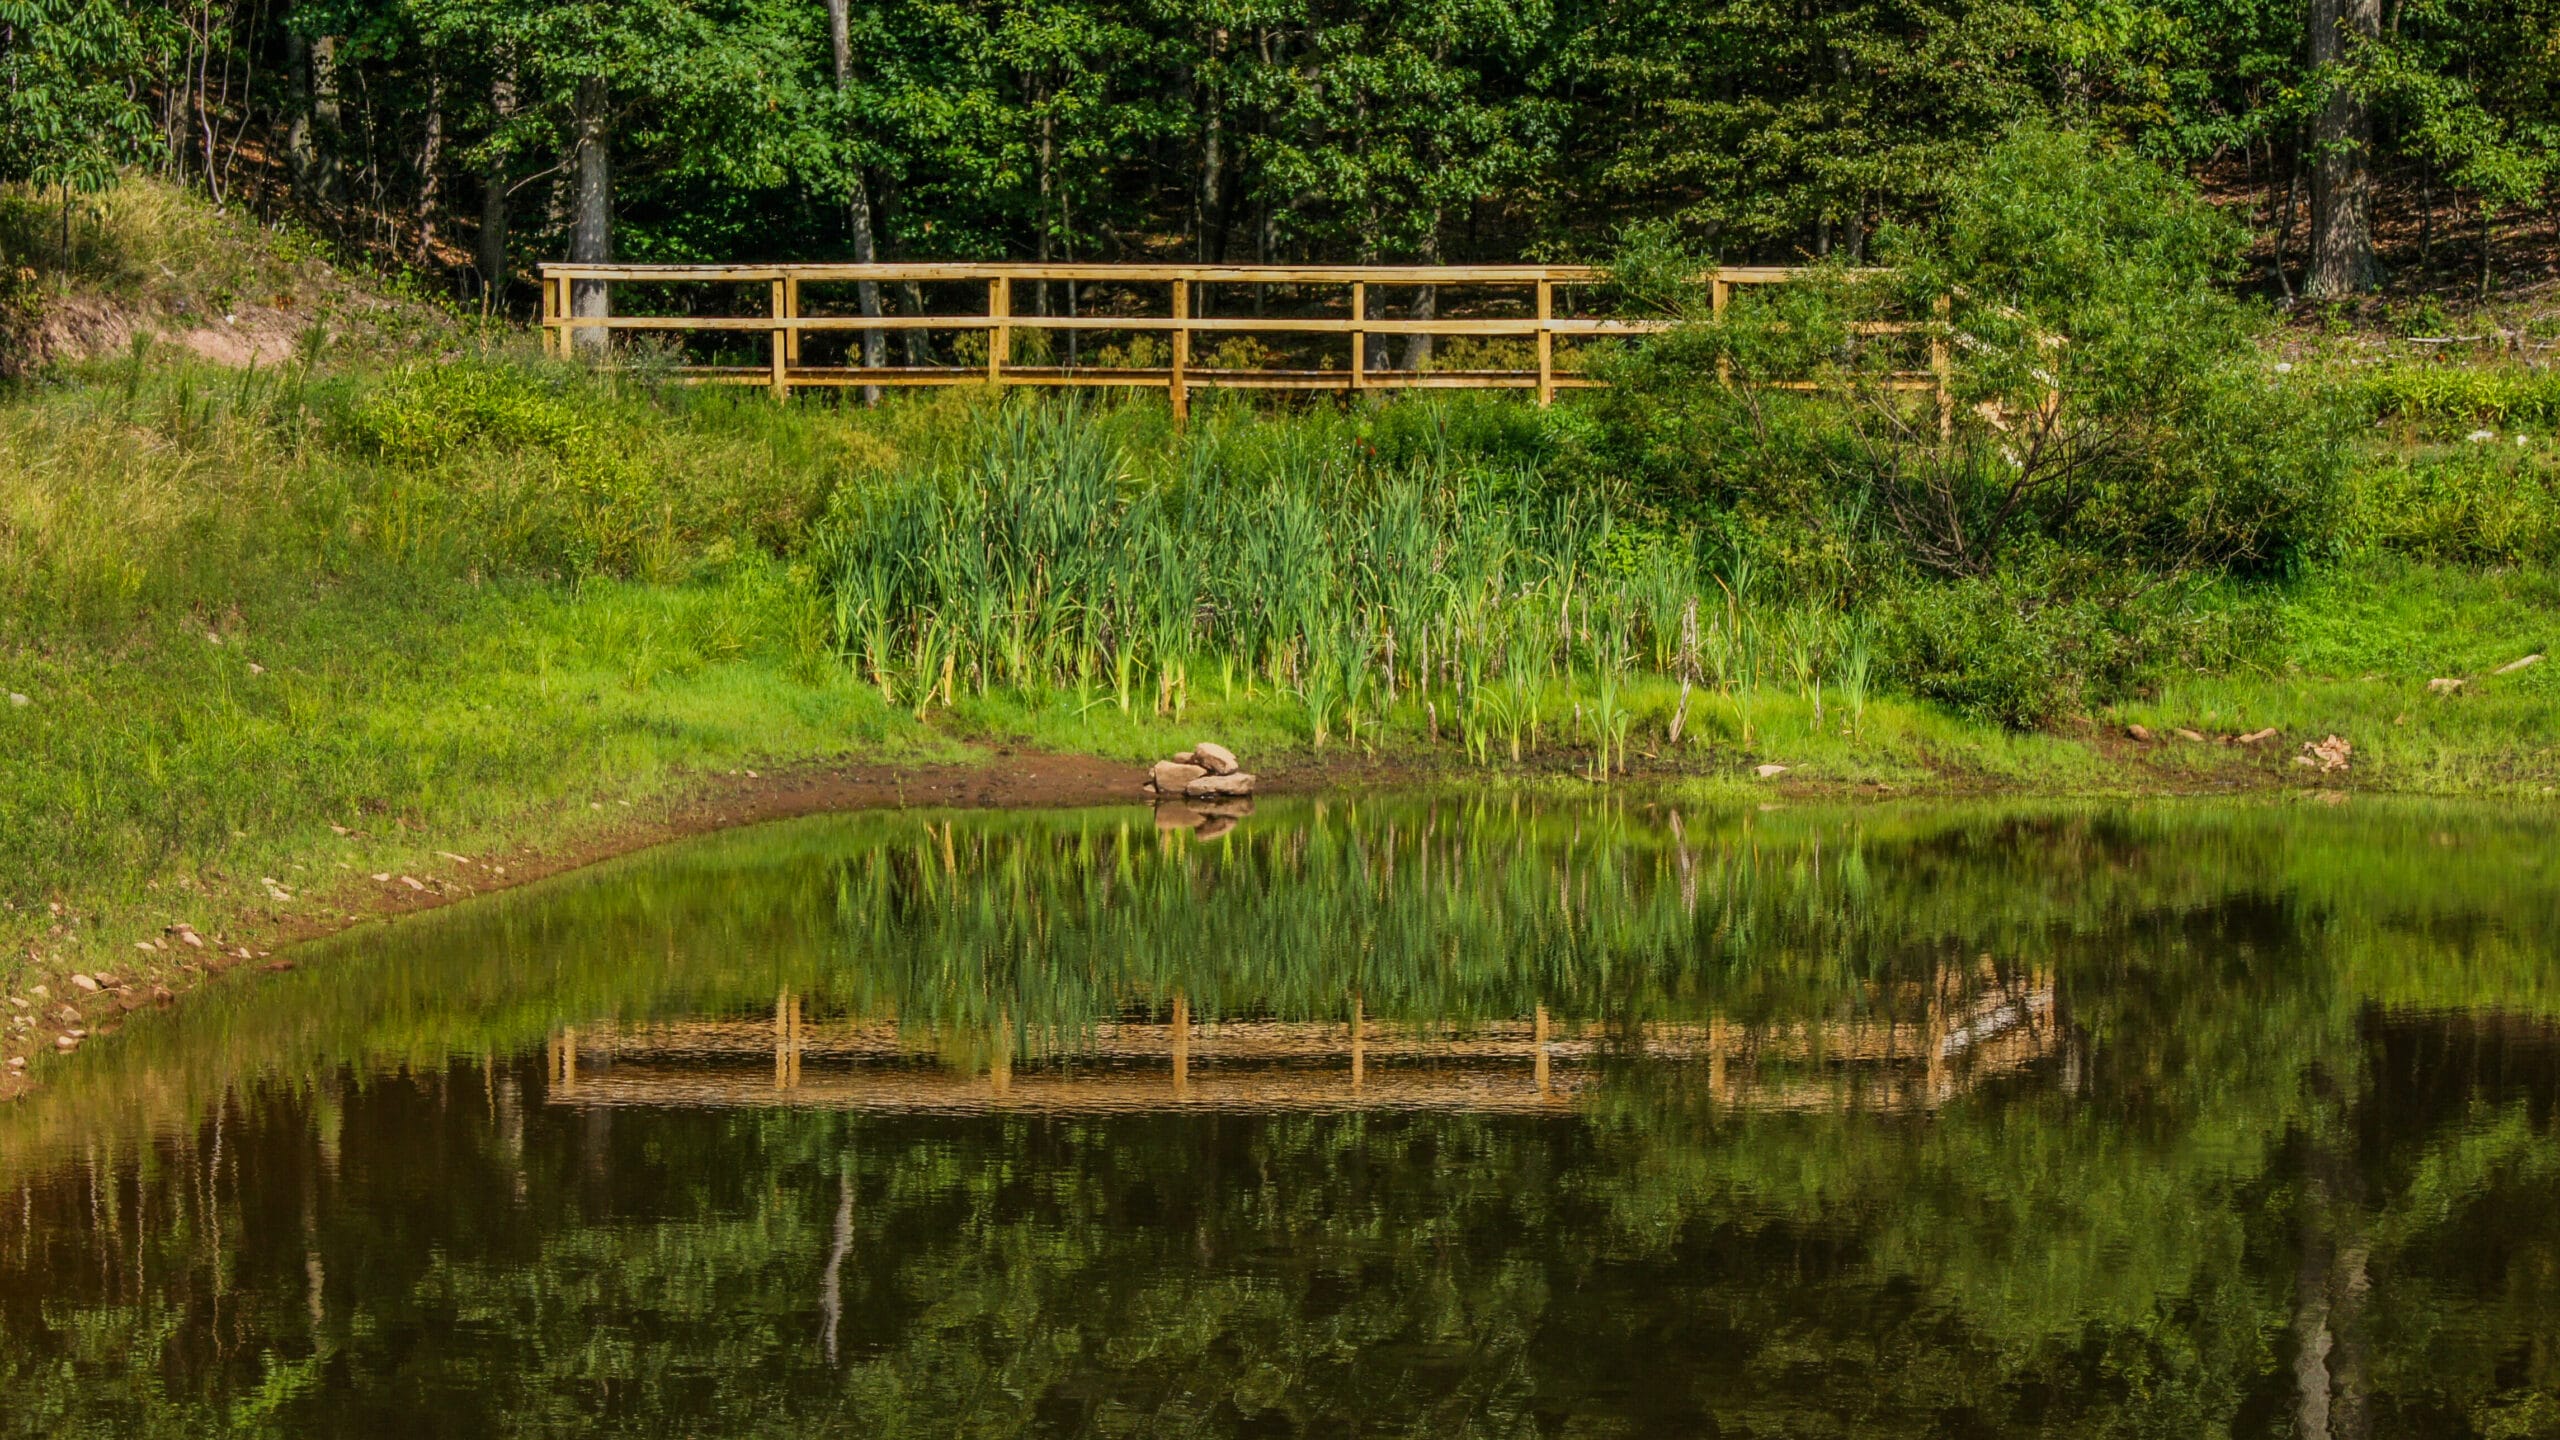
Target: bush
column 2024, row 650
column 2487, row 504
column 425, row 412
column 2444, row 394
column 2110, row 402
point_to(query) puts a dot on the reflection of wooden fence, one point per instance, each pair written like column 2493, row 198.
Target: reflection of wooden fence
column 1269, row 1065
column 1519, row 301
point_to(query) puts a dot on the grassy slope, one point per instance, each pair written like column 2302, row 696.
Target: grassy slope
column 370, row 674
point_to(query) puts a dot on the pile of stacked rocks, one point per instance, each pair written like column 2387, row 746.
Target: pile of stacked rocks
column 1204, row 787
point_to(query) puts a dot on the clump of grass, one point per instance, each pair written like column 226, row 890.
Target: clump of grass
column 1362, row 586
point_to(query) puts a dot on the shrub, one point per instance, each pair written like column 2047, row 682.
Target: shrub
column 2445, row 394
column 2476, row 504
column 2109, row 399
column 424, row 412
column 2023, row 650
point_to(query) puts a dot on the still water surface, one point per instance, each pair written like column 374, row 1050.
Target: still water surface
column 1428, row 1117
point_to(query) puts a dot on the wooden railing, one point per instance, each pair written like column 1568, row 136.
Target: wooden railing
column 1531, row 290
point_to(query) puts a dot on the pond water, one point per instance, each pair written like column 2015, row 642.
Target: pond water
column 1425, row 1116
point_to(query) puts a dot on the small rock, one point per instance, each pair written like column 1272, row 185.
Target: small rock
column 17, row 1062
column 2138, row 732
column 2526, row 663
column 1216, row 759
column 66, row 1043
column 257, row 669
column 412, row 882
column 2190, row 735
column 1217, row 787
column 1186, row 757
column 84, row 982
column 192, row 938
column 2329, row 754
column 1770, row 772
column 2444, row 685
column 1172, row 775
column 19, row 700
column 2255, row 736
column 382, row 877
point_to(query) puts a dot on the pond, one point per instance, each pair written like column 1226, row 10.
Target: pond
column 1431, row 1115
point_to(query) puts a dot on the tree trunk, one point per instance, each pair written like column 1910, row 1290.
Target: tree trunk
column 2342, row 137
column 431, row 169
column 591, row 210
column 493, row 203
column 2284, row 230
column 866, row 250
column 1426, row 301
column 311, row 139
column 1205, row 205
column 2485, row 226
column 2426, row 221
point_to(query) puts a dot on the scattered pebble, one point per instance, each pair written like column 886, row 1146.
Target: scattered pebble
column 84, row 982
column 382, row 878
column 19, row 700
column 2138, row 732
column 2444, row 685
column 2190, row 735
column 2526, row 663
column 1770, row 772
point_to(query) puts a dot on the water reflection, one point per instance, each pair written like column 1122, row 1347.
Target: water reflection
column 1913, row 1050
column 1412, row 1118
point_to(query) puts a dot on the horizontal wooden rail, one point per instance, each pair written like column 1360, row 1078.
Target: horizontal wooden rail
column 577, row 316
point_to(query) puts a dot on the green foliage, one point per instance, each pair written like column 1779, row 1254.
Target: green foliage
column 2021, row 655
column 2456, row 395
column 2474, row 504
column 71, row 73
column 2110, row 420
column 425, row 412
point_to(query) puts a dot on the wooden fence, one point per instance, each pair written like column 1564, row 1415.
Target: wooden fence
column 1528, row 294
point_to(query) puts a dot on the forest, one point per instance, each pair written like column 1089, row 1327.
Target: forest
column 2365, row 141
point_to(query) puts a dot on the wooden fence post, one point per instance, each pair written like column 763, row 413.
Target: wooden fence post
column 782, row 345
column 999, row 334
column 1546, row 343
column 1718, row 293
column 550, row 316
column 1942, row 366
column 791, row 309
column 1181, row 351
column 1359, row 337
